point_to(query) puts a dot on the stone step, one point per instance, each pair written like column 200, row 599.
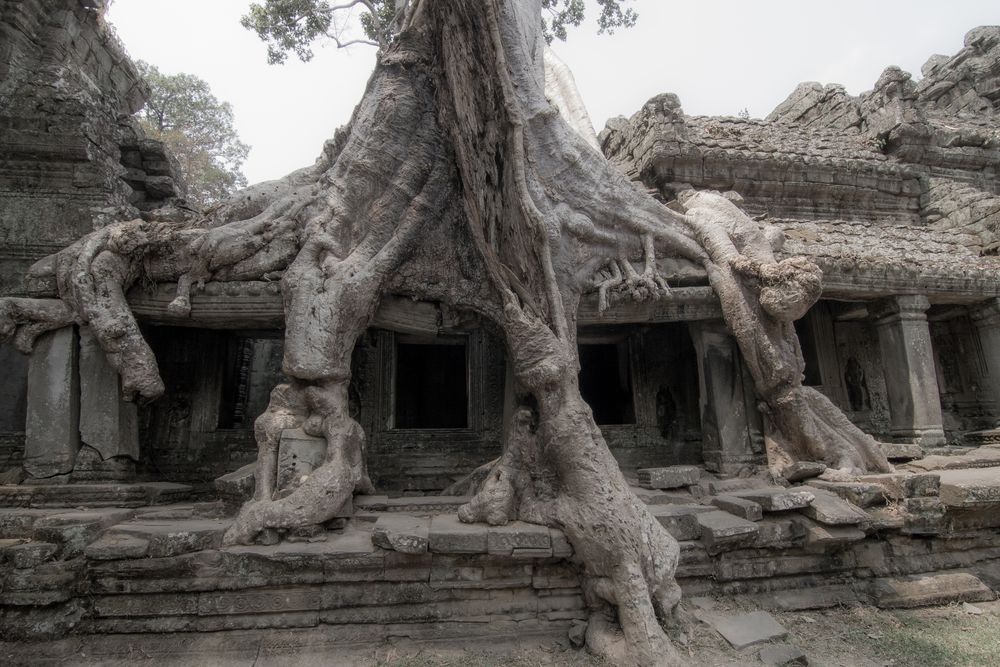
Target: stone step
column 983, row 457
column 670, row 477
column 741, row 507
column 830, row 509
column 970, row 489
column 680, row 520
column 165, row 537
column 776, row 498
column 93, row 495
column 929, row 589
column 73, row 531
column 721, row 531
column 418, row 505
column 862, row 494
column 750, row 629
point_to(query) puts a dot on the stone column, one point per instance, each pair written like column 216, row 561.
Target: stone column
column 986, row 318
column 729, row 417
column 908, row 365
column 52, row 425
column 108, row 423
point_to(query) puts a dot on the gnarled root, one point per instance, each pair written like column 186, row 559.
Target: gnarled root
column 325, row 491
column 803, row 424
column 24, row 320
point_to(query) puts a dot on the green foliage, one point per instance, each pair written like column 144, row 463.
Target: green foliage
column 292, row 26
column 198, row 129
column 570, row 13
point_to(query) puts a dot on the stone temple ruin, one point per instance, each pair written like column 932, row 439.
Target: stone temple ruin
column 112, row 513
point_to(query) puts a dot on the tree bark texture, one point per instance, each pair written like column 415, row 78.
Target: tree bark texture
column 458, row 181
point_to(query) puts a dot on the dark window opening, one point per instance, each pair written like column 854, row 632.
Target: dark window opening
column 605, row 383
column 431, row 387
column 807, row 341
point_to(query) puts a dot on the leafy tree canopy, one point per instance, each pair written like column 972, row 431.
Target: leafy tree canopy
column 292, row 26
column 183, row 113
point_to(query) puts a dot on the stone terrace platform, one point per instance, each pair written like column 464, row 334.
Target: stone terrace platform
column 407, row 568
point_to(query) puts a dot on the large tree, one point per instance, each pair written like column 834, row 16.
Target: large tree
column 198, row 129
column 458, row 181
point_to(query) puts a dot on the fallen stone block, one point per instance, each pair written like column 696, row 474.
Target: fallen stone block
column 679, row 520
column 832, row 510
column 740, row 507
column 900, row 485
column 901, row 451
column 720, row 487
column 172, row 538
column 402, row 532
column 800, row 470
column 561, row 547
column 982, row 457
column 862, row 494
column 801, row 599
column 671, row 477
column 518, row 535
column 721, row 531
column 75, row 530
column 930, row 589
column 970, row 488
column 781, row 655
column 746, row 630
column 449, row 535
column 776, row 498
column 658, row 497
column 237, row 486
column 820, row 538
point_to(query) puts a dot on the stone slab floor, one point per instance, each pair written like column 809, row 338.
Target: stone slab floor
column 845, row 636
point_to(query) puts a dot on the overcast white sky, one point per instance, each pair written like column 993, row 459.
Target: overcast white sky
column 719, row 57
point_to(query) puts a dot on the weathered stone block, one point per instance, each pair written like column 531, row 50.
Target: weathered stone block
column 679, row 520
column 800, row 470
column 28, row 554
column 298, row 455
column 901, row 451
column 737, row 506
column 923, row 516
column 52, row 426
column 901, row 485
column 862, row 494
column 776, row 499
column 782, row 655
column 721, row 531
column 518, row 536
column 820, row 538
column 749, row 629
column 237, row 486
column 449, row 535
column 115, row 546
column 970, row 488
column 832, row 510
column 802, row 599
column 930, row 589
column 671, row 477
column 402, row 532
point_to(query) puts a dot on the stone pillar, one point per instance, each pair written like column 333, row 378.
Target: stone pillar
column 108, row 423
column 729, row 417
column 908, row 365
column 52, row 425
column 986, row 318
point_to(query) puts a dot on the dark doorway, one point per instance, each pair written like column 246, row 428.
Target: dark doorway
column 431, row 386
column 605, row 382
